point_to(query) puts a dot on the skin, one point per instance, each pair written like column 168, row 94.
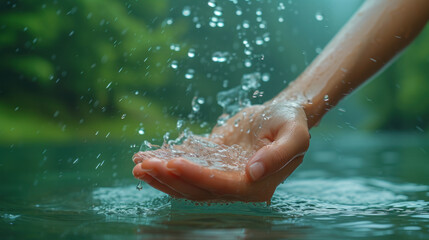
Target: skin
column 279, row 129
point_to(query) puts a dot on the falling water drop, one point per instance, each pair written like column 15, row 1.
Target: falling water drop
column 259, row 41
column 186, row 11
column 218, row 11
column 174, row 64
column 319, row 17
column 220, row 57
column 247, row 63
column 200, row 100
column 139, row 186
column 191, row 53
column 141, row 131
column 265, row 77
column 190, row 73
column 246, row 24
column 212, row 3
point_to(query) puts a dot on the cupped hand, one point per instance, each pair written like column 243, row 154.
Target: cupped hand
column 278, row 135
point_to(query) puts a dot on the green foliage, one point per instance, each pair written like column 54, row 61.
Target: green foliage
column 68, row 66
column 400, row 94
column 100, row 69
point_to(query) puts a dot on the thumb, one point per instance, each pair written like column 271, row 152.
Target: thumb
column 273, row 157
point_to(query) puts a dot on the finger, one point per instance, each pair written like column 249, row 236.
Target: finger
column 217, row 182
column 142, row 175
column 291, row 143
column 158, row 170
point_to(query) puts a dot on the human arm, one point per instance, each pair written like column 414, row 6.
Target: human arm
column 376, row 33
column 373, row 36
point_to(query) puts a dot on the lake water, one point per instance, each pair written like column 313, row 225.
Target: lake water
column 349, row 186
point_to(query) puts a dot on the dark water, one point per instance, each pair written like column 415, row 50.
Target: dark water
column 348, row 187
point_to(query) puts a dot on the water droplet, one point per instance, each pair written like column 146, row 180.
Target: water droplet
column 123, row 116
column 200, row 100
column 281, row 6
column 247, row 63
column 71, row 33
column 266, row 37
column 169, row 21
column 174, row 64
column 195, row 107
column 186, row 11
column 319, row 17
column 179, row 124
column 218, row 11
column 265, row 77
column 141, row 131
column 258, row 12
column 139, row 186
column 236, row 122
column 175, row 47
column 259, row 41
column 225, row 83
column 246, row 24
column 220, row 57
column 281, row 19
column 238, row 12
column 373, row 59
column 326, row 98
column 166, row 137
column 190, row 73
column 191, row 53
column 211, row 3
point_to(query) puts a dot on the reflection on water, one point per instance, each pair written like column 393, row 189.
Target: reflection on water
column 382, row 192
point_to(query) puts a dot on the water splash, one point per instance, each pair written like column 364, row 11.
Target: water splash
column 203, row 151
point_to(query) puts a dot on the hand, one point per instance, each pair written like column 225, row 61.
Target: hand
column 276, row 132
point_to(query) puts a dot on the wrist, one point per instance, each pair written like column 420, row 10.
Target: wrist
column 314, row 107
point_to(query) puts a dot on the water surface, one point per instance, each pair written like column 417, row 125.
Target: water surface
column 348, row 187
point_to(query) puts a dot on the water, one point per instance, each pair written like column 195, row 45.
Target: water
column 349, row 187
column 202, row 151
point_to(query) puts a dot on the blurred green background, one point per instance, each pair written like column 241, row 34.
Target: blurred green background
column 105, row 70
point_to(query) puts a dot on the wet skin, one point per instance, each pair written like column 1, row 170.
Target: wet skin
column 279, row 135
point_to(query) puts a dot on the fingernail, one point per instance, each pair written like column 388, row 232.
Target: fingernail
column 256, row 170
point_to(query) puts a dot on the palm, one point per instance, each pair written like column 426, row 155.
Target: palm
column 264, row 129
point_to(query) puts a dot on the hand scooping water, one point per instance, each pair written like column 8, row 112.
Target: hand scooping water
column 245, row 159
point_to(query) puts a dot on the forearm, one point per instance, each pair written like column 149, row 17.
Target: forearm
column 372, row 37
